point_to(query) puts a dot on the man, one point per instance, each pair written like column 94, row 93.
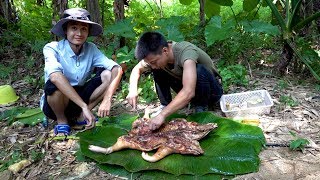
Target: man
column 70, row 91
column 182, row 66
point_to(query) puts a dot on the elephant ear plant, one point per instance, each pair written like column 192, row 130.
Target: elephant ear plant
column 289, row 25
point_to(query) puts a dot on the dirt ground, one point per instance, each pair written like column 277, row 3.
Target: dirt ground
column 277, row 160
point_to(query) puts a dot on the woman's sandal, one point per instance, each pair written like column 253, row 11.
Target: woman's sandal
column 62, row 129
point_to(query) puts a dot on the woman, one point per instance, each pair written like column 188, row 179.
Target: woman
column 71, row 89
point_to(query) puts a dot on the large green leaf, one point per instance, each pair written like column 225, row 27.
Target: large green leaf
column 170, row 27
column 185, row 2
column 10, row 115
column 309, row 57
column 249, row 5
column 122, row 28
column 124, row 55
column 23, row 115
column 257, row 26
column 159, row 175
column 31, row 116
column 222, row 2
column 231, row 149
column 211, row 9
column 215, row 31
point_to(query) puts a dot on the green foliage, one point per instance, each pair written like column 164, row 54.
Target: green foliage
column 298, row 143
column 257, row 26
column 216, row 31
column 292, row 23
column 287, row 100
column 211, row 9
column 146, row 89
column 233, row 75
column 249, row 5
column 35, row 20
column 16, row 156
column 5, row 71
column 317, row 87
column 282, row 85
column 308, row 56
column 235, row 151
column 124, row 55
column 223, row 2
column 36, row 156
column 173, row 27
column 23, row 115
column 122, row 28
column 10, row 115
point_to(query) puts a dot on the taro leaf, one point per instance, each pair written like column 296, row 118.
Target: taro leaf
column 124, row 55
column 174, row 34
column 211, row 9
column 223, row 2
column 231, row 149
column 249, row 5
column 185, row 2
column 215, row 31
column 257, row 26
column 122, row 28
column 31, row 116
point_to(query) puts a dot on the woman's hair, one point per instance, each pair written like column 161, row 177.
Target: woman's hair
column 150, row 42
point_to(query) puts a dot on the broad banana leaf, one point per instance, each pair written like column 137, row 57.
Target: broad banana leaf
column 231, row 149
column 159, row 175
column 23, row 115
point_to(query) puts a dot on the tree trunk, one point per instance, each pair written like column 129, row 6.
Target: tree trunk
column 94, row 9
column 118, row 10
column 58, row 8
column 202, row 13
column 7, row 12
column 286, row 58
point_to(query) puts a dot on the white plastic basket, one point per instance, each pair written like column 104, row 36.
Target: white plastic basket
column 247, row 103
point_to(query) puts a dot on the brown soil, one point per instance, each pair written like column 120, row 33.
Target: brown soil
column 277, row 160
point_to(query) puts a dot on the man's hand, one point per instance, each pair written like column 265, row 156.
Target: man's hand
column 132, row 99
column 156, row 122
column 104, row 108
column 91, row 123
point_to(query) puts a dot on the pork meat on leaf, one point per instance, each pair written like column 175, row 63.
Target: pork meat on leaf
column 176, row 136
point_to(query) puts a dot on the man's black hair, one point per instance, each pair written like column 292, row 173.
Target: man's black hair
column 150, row 43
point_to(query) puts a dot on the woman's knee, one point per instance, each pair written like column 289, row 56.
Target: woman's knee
column 105, row 76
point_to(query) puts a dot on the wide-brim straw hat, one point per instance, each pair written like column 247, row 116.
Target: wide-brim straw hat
column 80, row 15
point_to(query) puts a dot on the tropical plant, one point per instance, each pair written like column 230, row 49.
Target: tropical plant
column 234, row 75
column 298, row 143
column 289, row 25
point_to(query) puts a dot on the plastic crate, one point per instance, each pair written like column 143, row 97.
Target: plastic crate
column 247, row 103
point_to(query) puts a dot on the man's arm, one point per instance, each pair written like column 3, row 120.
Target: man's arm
column 189, row 80
column 105, row 106
column 61, row 82
column 133, row 84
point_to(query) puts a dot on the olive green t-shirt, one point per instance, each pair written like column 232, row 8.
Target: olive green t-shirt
column 183, row 51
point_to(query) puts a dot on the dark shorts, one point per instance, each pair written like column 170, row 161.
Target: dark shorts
column 72, row 111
